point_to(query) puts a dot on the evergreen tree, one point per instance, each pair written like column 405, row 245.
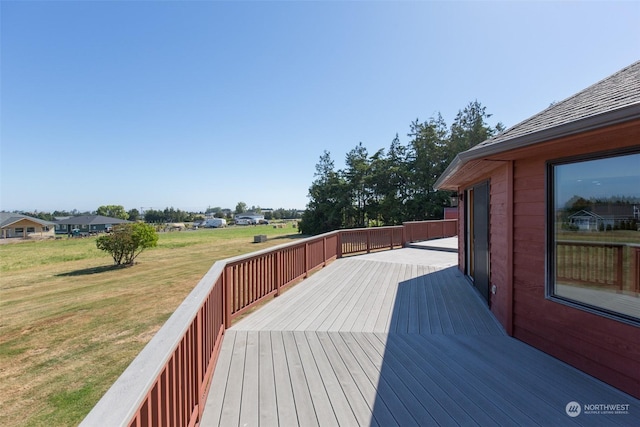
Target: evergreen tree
column 397, row 186
column 328, row 199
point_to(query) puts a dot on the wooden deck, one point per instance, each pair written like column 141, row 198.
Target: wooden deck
column 393, row 338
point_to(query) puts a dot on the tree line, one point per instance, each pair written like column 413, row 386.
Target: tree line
column 168, row 214
column 395, row 185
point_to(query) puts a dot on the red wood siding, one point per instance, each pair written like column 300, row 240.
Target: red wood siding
column 498, row 238
column 602, row 347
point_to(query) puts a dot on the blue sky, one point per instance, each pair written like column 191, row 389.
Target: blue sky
column 616, row 176
column 194, row 104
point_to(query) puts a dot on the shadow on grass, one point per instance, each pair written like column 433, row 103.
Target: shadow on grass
column 93, row 270
column 289, row 237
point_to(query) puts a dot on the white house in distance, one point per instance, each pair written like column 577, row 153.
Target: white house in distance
column 248, row 218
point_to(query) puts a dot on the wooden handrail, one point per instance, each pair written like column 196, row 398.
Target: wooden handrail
column 168, row 382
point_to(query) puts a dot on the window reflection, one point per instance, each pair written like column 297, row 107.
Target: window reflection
column 596, row 236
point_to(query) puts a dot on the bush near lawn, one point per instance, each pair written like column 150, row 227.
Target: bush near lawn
column 71, row 323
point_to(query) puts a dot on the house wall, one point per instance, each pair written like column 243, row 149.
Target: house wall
column 499, row 247
column 24, row 224
column 602, row 347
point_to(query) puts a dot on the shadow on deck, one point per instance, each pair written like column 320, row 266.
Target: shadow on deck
column 393, row 338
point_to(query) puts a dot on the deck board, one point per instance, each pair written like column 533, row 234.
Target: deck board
column 396, row 338
column 267, row 397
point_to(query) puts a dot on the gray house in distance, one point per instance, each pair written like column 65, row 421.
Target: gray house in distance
column 87, row 224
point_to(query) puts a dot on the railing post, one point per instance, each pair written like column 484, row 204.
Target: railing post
column 199, row 374
column 637, row 269
column 339, row 243
column 277, row 274
column 324, row 251
column 368, row 231
column 306, row 259
column 404, row 234
column 619, row 259
column 226, row 297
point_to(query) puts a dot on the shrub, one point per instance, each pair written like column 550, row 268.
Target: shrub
column 127, row 241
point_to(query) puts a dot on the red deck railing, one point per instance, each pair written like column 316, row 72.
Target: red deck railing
column 167, row 384
column 590, row 263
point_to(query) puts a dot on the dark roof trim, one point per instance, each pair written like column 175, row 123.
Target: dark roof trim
column 609, row 118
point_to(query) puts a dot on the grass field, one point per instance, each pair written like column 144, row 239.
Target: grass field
column 70, row 323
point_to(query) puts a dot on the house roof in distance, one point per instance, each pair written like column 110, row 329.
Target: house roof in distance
column 91, row 220
column 8, row 218
column 615, row 99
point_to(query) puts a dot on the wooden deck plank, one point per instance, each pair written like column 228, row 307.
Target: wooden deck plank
column 383, row 320
column 353, row 395
column 372, row 284
column 413, row 322
column 371, row 342
column 349, row 305
column 396, row 386
column 477, row 406
column 326, row 294
column 297, row 301
column 443, row 398
column 328, row 307
column 287, row 414
column 338, row 400
column 427, row 397
column 383, row 416
column 455, row 308
column 543, row 393
column 215, row 401
column 305, row 411
column 267, row 394
column 233, row 395
column 432, row 309
column 367, row 323
column 372, row 363
column 319, row 395
column 249, row 406
column 400, row 308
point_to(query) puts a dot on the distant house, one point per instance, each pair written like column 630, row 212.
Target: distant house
column 605, row 217
column 86, row 224
column 18, row 225
column 575, row 298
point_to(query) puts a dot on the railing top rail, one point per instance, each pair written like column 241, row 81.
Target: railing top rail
column 120, row 403
column 430, row 220
column 384, row 227
column 255, row 254
column 591, row 243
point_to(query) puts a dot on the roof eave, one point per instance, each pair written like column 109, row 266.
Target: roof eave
column 621, row 115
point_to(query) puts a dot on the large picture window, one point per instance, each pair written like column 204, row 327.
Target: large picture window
column 594, row 234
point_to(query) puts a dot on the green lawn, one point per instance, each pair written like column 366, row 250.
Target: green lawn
column 70, row 323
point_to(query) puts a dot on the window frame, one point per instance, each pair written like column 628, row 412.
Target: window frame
column 550, row 226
